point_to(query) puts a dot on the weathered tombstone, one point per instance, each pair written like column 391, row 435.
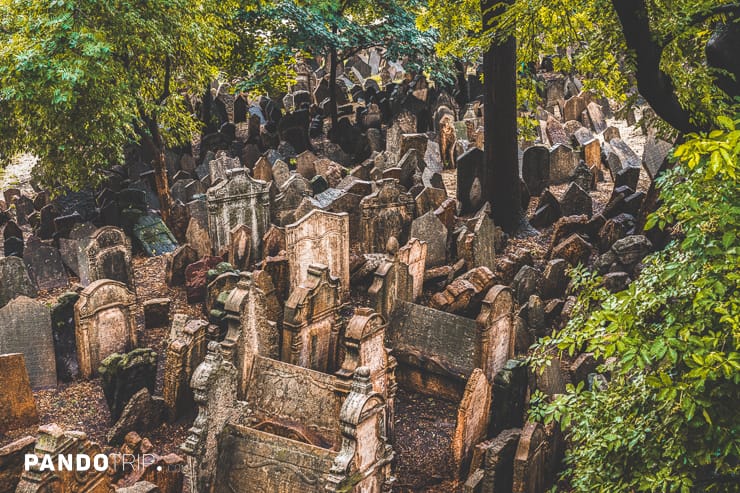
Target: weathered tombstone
column 496, row 321
column 414, row 256
column 185, row 351
column 73, row 247
column 123, row 375
column 311, row 322
column 555, row 132
column 509, row 393
column 654, row 153
column 482, row 249
column 12, row 461
column 472, row 420
column 392, row 282
column 143, row 412
column 177, row 262
column 596, row 115
column 621, row 156
column 37, row 345
column 576, row 201
column 238, row 200
column 430, row 229
column 319, row 237
column 573, row 107
column 17, row 406
column 221, row 165
column 562, row 164
column 548, row 378
column 63, row 330
column 262, row 170
column 429, row 199
column 45, row 265
column 154, row 236
column 105, row 323
column 252, row 329
column 590, row 146
column 529, row 461
column 470, row 173
column 536, row 169
column 386, row 213
column 107, row 256
column 14, row 280
column 492, row 470
column 23, row 209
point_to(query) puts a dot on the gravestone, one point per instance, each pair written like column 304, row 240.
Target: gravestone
column 596, row 115
column 470, row 176
column 45, row 265
column 262, row 170
column 12, row 461
column 472, row 421
column 123, row 375
column 251, row 327
column 319, row 237
column 311, row 323
column 576, row 201
column 654, row 153
column 621, row 157
column 555, row 132
column 186, row 349
column 529, row 461
column 386, row 213
column 107, row 256
column 154, row 236
column 105, row 323
column 198, row 238
column 562, row 164
column 219, row 167
column 73, row 247
column 509, row 393
column 14, row 280
column 17, row 405
column 391, row 282
column 177, row 262
column 142, row 413
column 430, row 229
column 239, row 199
column 414, row 255
column 25, row 327
column 63, row 330
column 240, row 247
column 482, row 249
column 536, row 169
column 496, row 320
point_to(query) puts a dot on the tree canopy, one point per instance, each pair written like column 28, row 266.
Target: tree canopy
column 79, row 80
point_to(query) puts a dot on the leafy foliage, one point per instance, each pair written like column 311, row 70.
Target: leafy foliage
column 668, row 419
column 79, row 79
column 274, row 34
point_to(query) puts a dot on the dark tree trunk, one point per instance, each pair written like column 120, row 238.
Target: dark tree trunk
column 500, row 126
column 652, row 83
column 161, row 181
column 333, row 87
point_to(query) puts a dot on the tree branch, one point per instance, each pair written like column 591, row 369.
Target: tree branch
column 167, row 77
column 732, row 9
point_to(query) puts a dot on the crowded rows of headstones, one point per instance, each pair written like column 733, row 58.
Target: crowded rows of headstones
column 334, row 266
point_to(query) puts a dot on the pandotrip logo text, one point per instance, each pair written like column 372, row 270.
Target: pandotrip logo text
column 99, row 462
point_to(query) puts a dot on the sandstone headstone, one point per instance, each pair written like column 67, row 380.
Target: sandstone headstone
column 470, row 173
column 14, row 280
column 429, row 229
column 472, row 420
column 186, row 349
column 65, row 341
column 17, row 405
column 562, row 164
column 414, row 255
column 12, row 462
column 142, row 413
column 45, row 266
column 319, row 237
column 123, row 375
column 107, row 256
column 576, row 201
column 529, row 461
column 386, row 213
column 105, row 324
column 536, row 169
column 176, row 262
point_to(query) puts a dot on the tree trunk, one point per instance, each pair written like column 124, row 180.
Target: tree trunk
column 333, row 86
column 161, row 181
column 500, row 126
column 653, row 84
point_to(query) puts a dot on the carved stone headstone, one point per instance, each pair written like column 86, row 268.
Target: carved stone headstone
column 562, row 164
column 472, row 420
column 17, row 406
column 107, row 256
column 414, row 255
column 65, row 341
column 239, row 199
column 319, row 237
column 154, row 236
column 184, row 353
column 386, row 213
column 105, row 324
column 470, row 173
column 311, row 322
column 177, row 262
column 240, row 247
column 45, row 265
column 536, row 169
column 529, row 461
column 14, row 280
column 25, row 327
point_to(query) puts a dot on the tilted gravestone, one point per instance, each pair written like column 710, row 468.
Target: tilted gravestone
column 25, row 327
column 414, row 255
column 123, row 375
column 154, row 236
column 17, row 406
column 14, row 280
column 562, row 164
column 105, row 323
column 319, row 237
column 239, row 199
column 529, row 460
column 186, row 349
